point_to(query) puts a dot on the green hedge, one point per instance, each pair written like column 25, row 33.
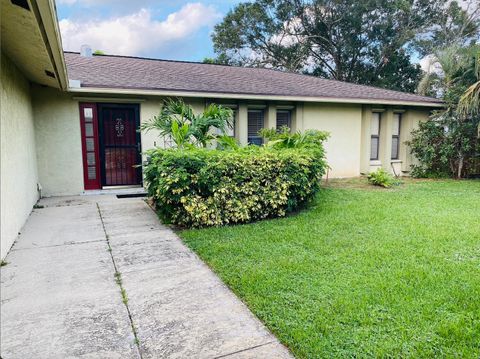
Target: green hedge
column 202, row 187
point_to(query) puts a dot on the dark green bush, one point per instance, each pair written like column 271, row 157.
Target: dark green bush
column 202, row 187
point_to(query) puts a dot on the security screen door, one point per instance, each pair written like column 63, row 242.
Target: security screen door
column 120, row 144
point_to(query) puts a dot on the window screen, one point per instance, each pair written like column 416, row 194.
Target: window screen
column 397, row 119
column 284, row 119
column 375, row 135
column 255, row 124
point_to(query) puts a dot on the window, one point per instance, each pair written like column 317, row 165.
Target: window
column 255, row 124
column 375, row 135
column 397, row 120
column 284, row 119
column 90, row 147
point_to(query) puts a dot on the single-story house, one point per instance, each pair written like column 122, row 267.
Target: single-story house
column 69, row 120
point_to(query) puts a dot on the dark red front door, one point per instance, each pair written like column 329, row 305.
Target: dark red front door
column 119, row 144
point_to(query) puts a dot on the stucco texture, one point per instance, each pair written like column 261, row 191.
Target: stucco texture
column 18, row 159
column 58, row 140
column 343, row 122
column 59, row 148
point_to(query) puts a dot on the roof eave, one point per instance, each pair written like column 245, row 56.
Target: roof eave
column 47, row 21
column 239, row 96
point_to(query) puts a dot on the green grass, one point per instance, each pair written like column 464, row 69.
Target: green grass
column 362, row 272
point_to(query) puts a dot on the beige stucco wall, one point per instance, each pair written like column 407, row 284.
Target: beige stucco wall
column 58, row 141
column 412, row 118
column 343, row 122
column 58, row 137
column 18, row 187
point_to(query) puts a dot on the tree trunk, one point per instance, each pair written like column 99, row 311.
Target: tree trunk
column 460, row 167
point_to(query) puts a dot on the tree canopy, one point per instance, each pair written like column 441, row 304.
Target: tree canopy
column 367, row 42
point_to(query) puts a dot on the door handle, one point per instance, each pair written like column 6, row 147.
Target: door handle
column 139, row 147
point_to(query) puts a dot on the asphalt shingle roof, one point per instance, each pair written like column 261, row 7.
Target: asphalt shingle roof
column 122, row 72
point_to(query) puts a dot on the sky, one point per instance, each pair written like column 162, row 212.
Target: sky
column 165, row 29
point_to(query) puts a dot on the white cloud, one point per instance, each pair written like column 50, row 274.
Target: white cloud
column 66, row 2
column 138, row 33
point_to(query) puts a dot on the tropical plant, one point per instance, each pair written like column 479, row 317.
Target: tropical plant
column 178, row 121
column 283, row 138
column 381, row 178
column 225, row 142
column 448, row 143
column 450, row 72
column 470, row 100
column 180, row 134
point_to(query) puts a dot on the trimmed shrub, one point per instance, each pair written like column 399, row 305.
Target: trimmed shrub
column 202, row 187
column 381, row 178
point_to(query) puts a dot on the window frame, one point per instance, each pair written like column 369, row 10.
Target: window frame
column 375, row 136
column 397, row 137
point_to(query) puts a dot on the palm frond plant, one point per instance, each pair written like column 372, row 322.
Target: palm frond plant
column 178, row 122
column 180, row 134
column 284, row 139
column 447, row 68
column 172, row 111
column 470, row 101
column 214, row 117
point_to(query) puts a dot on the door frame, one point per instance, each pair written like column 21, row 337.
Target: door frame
column 136, row 110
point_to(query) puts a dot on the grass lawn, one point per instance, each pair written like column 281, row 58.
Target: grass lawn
column 363, row 272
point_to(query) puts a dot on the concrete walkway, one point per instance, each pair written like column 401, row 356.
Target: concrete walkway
column 100, row 277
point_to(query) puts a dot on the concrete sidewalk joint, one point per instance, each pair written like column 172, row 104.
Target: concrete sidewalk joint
column 132, row 289
column 118, row 280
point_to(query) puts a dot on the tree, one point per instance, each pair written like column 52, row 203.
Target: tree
column 448, row 143
column 470, row 100
column 356, row 41
column 219, row 60
column 178, row 122
column 454, row 26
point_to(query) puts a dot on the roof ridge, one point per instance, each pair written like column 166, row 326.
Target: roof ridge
column 152, row 59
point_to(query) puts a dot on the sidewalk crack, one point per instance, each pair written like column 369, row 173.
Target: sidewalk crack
column 57, row 245
column 118, row 280
column 243, row 350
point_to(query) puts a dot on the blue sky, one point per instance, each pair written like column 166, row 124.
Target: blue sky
column 175, row 29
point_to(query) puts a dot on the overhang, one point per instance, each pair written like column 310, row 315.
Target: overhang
column 30, row 37
column 237, row 96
